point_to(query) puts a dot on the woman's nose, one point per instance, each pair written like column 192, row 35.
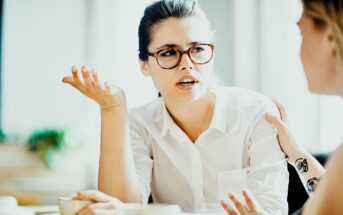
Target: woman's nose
column 186, row 62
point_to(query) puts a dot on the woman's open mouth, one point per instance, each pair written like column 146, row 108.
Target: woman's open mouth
column 187, row 83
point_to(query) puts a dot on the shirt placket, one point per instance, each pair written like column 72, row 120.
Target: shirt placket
column 197, row 178
column 197, row 175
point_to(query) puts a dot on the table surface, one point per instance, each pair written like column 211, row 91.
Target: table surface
column 53, row 210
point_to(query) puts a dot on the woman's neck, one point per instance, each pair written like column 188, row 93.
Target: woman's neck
column 193, row 117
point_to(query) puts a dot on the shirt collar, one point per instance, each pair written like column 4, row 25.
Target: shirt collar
column 167, row 121
column 219, row 118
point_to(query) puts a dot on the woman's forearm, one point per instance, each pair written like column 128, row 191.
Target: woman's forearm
column 309, row 170
column 117, row 175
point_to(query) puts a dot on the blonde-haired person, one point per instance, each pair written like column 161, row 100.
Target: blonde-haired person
column 321, row 25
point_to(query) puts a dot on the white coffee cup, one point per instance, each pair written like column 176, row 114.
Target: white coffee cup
column 69, row 206
column 8, row 202
column 151, row 209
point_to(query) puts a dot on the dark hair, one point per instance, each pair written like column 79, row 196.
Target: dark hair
column 159, row 11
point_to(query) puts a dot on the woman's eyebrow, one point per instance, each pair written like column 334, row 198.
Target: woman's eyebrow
column 167, row 46
column 195, row 42
column 171, row 45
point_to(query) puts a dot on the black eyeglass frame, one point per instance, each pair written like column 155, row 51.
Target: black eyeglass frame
column 155, row 55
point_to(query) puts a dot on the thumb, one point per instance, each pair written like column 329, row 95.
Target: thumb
column 67, row 79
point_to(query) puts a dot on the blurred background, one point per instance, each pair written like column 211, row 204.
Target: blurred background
column 257, row 47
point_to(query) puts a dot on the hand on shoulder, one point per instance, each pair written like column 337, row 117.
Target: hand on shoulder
column 287, row 139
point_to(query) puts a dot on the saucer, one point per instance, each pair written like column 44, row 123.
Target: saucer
column 16, row 211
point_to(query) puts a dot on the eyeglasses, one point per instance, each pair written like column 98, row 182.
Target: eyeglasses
column 171, row 57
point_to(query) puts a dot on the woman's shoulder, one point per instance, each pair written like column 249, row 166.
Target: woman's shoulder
column 242, row 97
column 149, row 111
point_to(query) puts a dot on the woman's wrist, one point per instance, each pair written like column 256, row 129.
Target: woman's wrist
column 118, row 105
column 114, row 103
column 113, row 108
column 297, row 155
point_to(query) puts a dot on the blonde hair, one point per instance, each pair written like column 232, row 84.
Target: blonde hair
column 327, row 13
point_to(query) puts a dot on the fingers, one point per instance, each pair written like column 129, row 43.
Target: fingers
column 75, row 78
column 72, row 79
column 74, row 72
column 249, row 200
column 92, row 195
column 68, row 80
column 281, row 109
column 86, row 77
column 107, row 97
column 107, row 87
column 95, row 76
column 96, row 81
column 89, row 82
column 103, row 205
column 275, row 121
column 239, row 206
column 229, row 210
column 97, row 211
column 85, row 211
column 88, row 211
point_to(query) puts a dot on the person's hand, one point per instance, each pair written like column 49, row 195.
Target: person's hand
column 103, row 204
column 287, row 139
column 107, row 97
column 249, row 207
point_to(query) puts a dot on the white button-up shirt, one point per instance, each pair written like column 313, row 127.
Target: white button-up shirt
column 238, row 150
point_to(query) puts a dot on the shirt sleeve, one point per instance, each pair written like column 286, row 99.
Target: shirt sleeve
column 268, row 175
column 140, row 141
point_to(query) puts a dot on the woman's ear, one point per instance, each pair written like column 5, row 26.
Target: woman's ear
column 144, row 67
column 332, row 43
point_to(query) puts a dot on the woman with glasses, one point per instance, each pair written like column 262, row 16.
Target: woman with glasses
column 198, row 140
column 321, row 25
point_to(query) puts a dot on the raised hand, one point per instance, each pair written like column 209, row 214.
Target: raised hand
column 106, row 96
column 249, row 207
